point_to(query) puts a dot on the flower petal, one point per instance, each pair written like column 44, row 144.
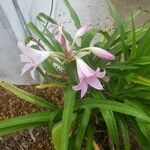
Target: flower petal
column 26, row 68
column 102, row 53
column 24, row 58
column 100, row 74
column 81, row 86
column 63, row 41
column 84, row 69
column 94, row 82
column 33, row 73
column 81, row 31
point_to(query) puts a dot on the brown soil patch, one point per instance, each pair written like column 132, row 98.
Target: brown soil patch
column 11, row 106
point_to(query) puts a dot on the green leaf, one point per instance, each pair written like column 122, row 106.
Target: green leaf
column 34, row 99
column 6, row 131
column 50, row 85
column 88, row 37
column 90, row 136
column 73, row 14
column 55, row 43
column 69, row 38
column 118, row 23
column 82, row 129
column 39, row 117
column 44, row 18
column 56, row 136
column 111, row 125
column 143, row 48
column 69, row 100
column 133, row 49
column 135, row 78
column 90, row 103
column 90, row 34
column 56, row 133
column 121, row 66
column 125, row 133
column 40, row 35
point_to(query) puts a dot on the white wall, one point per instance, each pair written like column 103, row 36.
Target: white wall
column 92, row 12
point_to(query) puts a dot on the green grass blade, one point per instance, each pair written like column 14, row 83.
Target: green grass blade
column 90, row 137
column 143, row 48
column 34, row 99
column 111, row 125
column 55, row 43
column 82, row 129
column 39, row 117
column 118, row 24
column 44, row 18
column 125, row 133
column 13, row 129
column 133, row 49
column 40, row 35
column 73, row 14
column 91, row 103
column 69, row 100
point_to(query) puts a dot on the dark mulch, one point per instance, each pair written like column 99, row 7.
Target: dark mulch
column 38, row 138
column 11, row 106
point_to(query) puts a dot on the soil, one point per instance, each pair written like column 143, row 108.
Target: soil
column 38, row 138
column 11, row 106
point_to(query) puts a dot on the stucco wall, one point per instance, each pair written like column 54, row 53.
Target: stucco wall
column 92, row 12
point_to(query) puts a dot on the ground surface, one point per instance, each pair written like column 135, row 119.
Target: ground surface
column 10, row 106
column 38, row 138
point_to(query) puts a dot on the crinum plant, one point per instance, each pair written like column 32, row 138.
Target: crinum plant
column 105, row 81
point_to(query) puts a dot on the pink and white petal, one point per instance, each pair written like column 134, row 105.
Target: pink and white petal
column 26, row 68
column 33, row 73
column 43, row 57
column 79, row 86
column 22, row 47
column 63, row 41
column 84, row 68
column 81, row 31
column 24, row 58
column 95, row 83
column 102, row 53
column 100, row 74
column 84, row 89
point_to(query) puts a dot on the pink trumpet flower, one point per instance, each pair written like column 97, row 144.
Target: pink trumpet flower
column 32, row 57
column 63, row 41
column 81, row 31
column 87, row 76
column 102, row 53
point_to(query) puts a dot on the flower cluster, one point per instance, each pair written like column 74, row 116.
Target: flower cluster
column 86, row 75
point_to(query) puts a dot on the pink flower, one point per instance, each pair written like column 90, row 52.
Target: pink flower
column 63, row 41
column 87, row 76
column 102, row 53
column 81, row 31
column 32, row 57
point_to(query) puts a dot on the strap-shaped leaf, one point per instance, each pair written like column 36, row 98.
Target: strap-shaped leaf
column 91, row 103
column 82, row 129
column 90, row 136
column 55, row 43
column 13, row 129
column 73, row 14
column 143, row 48
column 111, row 124
column 44, row 18
column 39, row 117
column 69, row 100
column 124, row 131
column 27, row 96
column 118, row 24
column 40, row 35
